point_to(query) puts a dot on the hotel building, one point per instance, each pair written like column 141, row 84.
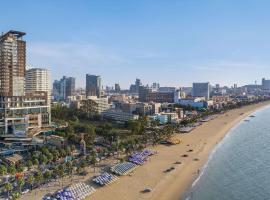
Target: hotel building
column 21, row 112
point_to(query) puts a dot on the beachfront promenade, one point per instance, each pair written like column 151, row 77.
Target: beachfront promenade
column 171, row 185
column 170, row 172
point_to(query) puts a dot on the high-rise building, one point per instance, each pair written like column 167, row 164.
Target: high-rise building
column 12, row 61
column 266, row 85
column 201, row 90
column 93, row 85
column 117, row 87
column 56, row 90
column 155, row 86
column 68, row 86
column 38, row 80
column 21, row 112
column 63, row 88
column 134, row 88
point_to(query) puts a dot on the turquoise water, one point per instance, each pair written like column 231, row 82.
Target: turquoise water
column 239, row 167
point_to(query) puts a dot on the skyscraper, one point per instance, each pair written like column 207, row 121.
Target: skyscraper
column 63, row 88
column 93, row 85
column 21, row 112
column 266, row 85
column 134, row 88
column 117, row 87
column 201, row 90
column 38, row 79
column 12, row 64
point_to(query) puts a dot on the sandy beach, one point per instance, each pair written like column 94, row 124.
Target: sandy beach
column 171, row 185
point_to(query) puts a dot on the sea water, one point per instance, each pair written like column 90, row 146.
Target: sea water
column 239, row 167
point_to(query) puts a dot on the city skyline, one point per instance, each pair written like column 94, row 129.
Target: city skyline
column 173, row 44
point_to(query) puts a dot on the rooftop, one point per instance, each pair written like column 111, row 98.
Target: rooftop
column 18, row 34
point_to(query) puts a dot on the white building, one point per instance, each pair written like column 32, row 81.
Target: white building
column 119, row 115
column 38, row 80
column 102, row 103
column 194, row 102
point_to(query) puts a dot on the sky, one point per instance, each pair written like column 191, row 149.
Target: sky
column 172, row 42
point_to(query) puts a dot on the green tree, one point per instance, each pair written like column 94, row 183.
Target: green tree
column 3, row 170
column 72, row 147
column 8, row 187
column 29, row 164
column 21, row 183
column 50, row 157
column 88, row 158
column 20, row 167
column 36, row 162
column 69, row 166
column 94, row 159
column 12, row 169
column 61, row 172
column 31, row 180
column 47, row 175
column 63, row 152
column 44, row 159
column 15, row 195
column 39, row 177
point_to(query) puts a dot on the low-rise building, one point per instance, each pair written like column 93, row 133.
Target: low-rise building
column 102, row 103
column 148, row 95
column 193, row 102
column 119, row 115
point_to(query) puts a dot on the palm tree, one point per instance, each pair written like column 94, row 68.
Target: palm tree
column 12, row 169
column 29, row 164
column 36, row 162
column 83, row 165
column 47, row 175
column 31, row 180
column 3, row 170
column 44, row 159
column 8, row 188
column 21, row 183
column 94, row 160
column 39, row 177
column 61, row 172
column 69, row 166
column 15, row 195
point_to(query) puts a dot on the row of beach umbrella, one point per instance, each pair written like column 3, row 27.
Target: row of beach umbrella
column 123, row 168
column 78, row 191
column 105, row 179
column 139, row 158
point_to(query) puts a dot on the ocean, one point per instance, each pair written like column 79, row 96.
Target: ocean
column 239, row 166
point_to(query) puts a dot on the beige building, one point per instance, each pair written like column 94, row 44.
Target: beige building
column 12, row 64
column 20, row 111
column 38, row 79
column 102, row 103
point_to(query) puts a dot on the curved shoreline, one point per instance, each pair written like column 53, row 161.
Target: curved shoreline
column 172, row 186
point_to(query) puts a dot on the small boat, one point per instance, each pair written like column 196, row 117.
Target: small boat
column 246, row 120
column 251, row 116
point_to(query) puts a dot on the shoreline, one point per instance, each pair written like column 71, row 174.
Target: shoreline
column 172, row 186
